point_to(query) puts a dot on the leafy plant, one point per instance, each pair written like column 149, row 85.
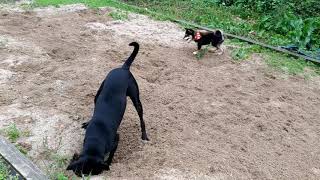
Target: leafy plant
column 298, row 31
column 61, row 176
column 5, row 173
column 119, row 15
column 22, row 149
column 6, row 1
column 13, row 133
column 239, row 54
column 202, row 52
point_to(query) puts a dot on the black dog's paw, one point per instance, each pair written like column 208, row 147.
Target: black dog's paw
column 85, row 125
column 144, row 137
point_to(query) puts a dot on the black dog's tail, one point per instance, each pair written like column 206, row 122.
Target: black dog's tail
column 129, row 61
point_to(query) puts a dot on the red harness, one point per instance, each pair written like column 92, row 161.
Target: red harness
column 197, row 36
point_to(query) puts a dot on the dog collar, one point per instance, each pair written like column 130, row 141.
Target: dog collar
column 197, row 36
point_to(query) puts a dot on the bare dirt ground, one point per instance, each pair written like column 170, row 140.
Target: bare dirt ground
column 207, row 119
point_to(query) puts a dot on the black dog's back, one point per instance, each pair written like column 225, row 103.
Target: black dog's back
column 115, row 86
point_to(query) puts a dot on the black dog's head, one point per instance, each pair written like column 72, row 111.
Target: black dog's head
column 189, row 34
column 87, row 165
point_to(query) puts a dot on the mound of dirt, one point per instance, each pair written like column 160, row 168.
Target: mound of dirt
column 207, row 119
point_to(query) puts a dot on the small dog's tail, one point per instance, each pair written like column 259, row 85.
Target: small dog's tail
column 129, row 61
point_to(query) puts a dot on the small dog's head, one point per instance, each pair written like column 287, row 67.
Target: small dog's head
column 86, row 165
column 218, row 38
column 189, row 34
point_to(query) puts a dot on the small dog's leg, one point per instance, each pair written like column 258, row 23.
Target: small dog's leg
column 222, row 48
column 133, row 93
column 199, row 47
column 109, row 160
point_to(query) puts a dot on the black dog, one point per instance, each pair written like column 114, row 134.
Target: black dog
column 202, row 37
column 101, row 135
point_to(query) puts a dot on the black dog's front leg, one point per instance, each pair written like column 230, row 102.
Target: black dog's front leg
column 133, row 93
column 85, row 125
column 114, row 149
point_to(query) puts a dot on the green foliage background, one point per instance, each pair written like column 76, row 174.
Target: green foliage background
column 277, row 22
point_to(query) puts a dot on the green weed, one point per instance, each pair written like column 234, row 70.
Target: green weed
column 5, row 173
column 119, row 15
column 240, row 54
column 56, row 164
column 7, row 1
column 22, row 149
column 202, row 52
column 292, row 66
column 13, row 133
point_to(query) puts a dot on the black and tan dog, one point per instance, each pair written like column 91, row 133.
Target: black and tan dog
column 202, row 37
column 101, row 135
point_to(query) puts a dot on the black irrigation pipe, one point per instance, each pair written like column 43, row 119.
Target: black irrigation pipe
column 250, row 41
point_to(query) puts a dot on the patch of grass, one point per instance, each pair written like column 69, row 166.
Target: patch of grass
column 240, row 54
column 290, row 65
column 119, row 15
column 27, row 6
column 22, row 149
column 242, row 50
column 202, row 52
column 4, row 170
column 5, row 173
column 7, row 1
column 56, row 162
column 13, row 133
column 275, row 60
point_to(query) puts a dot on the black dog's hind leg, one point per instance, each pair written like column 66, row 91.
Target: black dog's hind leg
column 133, row 93
column 85, row 125
column 114, row 149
